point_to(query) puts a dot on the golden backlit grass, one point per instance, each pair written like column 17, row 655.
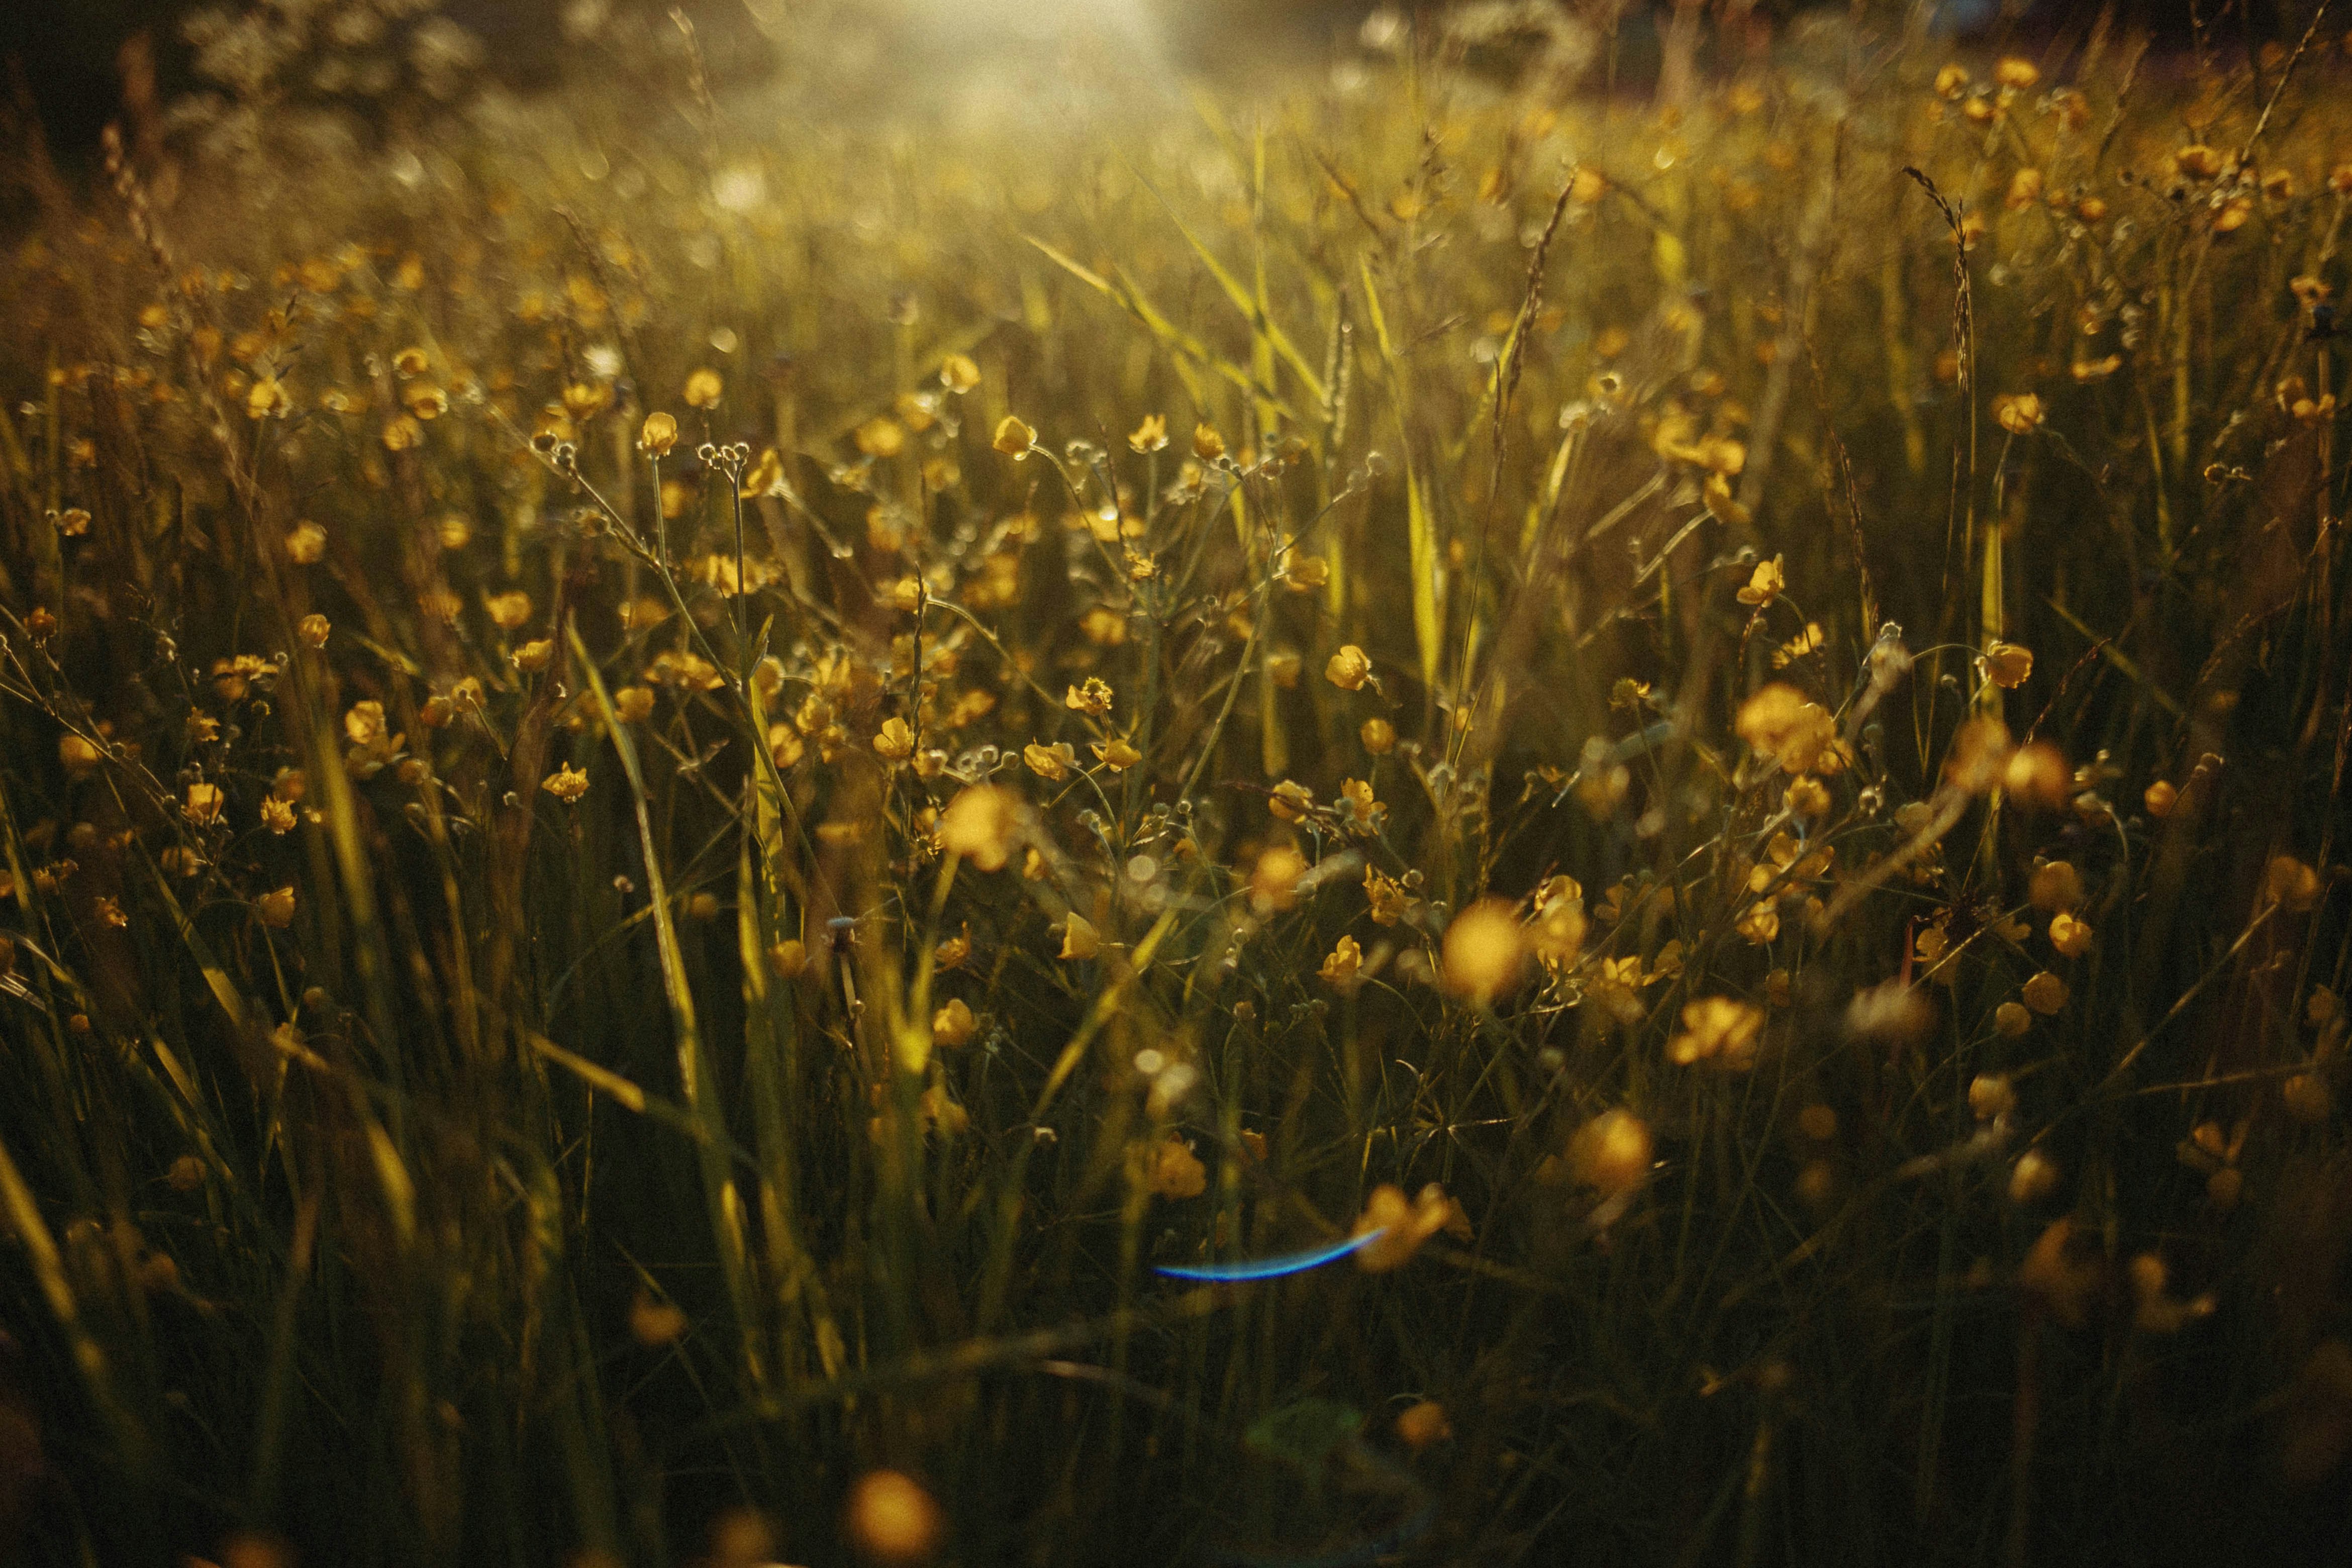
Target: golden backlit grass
column 679, row 785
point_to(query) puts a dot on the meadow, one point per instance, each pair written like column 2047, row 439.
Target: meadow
column 1446, row 804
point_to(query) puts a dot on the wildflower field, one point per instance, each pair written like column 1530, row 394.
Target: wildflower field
column 1471, row 796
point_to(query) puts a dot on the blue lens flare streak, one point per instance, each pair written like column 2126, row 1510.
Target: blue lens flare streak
column 1270, row 1268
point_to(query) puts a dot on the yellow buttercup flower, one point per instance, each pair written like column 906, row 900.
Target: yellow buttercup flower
column 959, row 374
column 978, row 825
column 1765, row 584
column 1721, row 1030
column 1081, row 940
column 1348, row 669
column 1013, row 436
column 1484, row 953
column 566, row 784
column 2018, row 412
column 1053, row 763
column 1404, row 1225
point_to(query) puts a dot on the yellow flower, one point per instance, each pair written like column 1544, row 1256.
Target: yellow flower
column 959, row 374
column 1419, row 1426
column 364, row 723
column 1404, row 1225
column 891, row 1518
column 1380, row 736
column 508, row 610
column 1013, row 438
column 268, row 399
column 1052, row 762
column 277, row 907
column 1348, row 669
column 954, row 1023
column 2024, row 190
column 2306, row 1097
column 1807, row 796
column 785, row 746
column 2032, row 1179
column 2008, row 665
column 1992, row 1095
column 1290, row 801
column 1103, row 626
column 277, row 815
column 2069, row 936
column 77, row 755
column 565, row 784
column 2291, row 884
column 896, row 743
column 633, row 704
column 2037, row 776
column 1172, row 1171
column 314, row 629
column 704, row 389
column 1365, row 815
column 978, row 826
column 1720, row 1030
column 765, row 478
column 584, row 400
column 403, row 435
column 655, row 1323
column 2018, row 413
column 1116, row 754
column 657, row 436
column 1979, row 759
column 1612, row 1153
column 1765, row 586
column 1081, row 940
column 2160, row 798
column 1274, row 879
column 1207, row 445
column 1093, row 699
column 2015, row 73
column 532, row 657
column 788, row 960
column 1558, row 934
column 1484, row 951
column 306, row 544
column 1779, row 722
column 1386, row 896
column 203, row 803
column 881, row 437
column 1952, row 81
column 1760, row 924
column 2054, row 885
column 2045, row 994
column 1339, row 969
column 1151, row 436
